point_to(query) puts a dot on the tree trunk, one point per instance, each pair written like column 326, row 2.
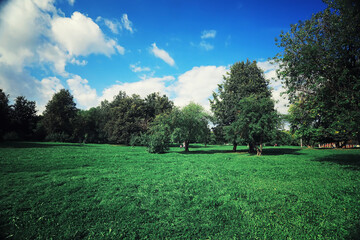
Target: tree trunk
column 234, row 147
column 186, row 146
column 251, row 148
column 259, row 150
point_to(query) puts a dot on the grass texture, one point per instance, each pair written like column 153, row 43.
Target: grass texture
column 89, row 191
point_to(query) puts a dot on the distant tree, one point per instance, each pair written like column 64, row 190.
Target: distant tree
column 244, row 80
column 23, row 117
column 93, row 123
column 4, row 113
column 59, row 115
column 189, row 124
column 158, row 137
column 155, row 105
column 255, row 123
column 320, row 65
column 218, row 135
column 126, row 118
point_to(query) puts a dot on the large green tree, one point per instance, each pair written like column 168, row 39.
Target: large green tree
column 23, row 117
column 156, row 104
column 4, row 113
column 255, row 123
column 59, row 115
column 126, row 118
column 186, row 125
column 320, row 66
column 244, row 80
column 189, row 124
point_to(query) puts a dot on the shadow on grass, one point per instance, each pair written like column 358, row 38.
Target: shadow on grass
column 349, row 161
column 38, row 145
column 266, row 151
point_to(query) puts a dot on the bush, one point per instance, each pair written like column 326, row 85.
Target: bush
column 158, row 140
column 139, row 140
column 11, row 136
column 58, row 137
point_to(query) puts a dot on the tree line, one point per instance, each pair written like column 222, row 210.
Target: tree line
column 319, row 64
column 243, row 114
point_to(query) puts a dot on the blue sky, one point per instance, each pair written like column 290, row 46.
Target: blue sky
column 97, row 48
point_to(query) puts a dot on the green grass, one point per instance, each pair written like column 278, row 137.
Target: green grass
column 74, row 191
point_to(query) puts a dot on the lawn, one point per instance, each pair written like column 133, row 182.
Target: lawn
column 76, row 191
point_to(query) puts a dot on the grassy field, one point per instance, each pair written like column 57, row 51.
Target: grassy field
column 74, row 191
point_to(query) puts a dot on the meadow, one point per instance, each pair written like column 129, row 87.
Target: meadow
column 90, row 191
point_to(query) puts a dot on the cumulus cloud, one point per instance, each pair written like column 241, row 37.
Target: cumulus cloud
column 162, row 54
column 21, row 24
column 84, row 95
column 46, row 88
column 36, row 33
column 197, row 85
column 208, row 34
column 80, row 35
column 127, row 23
column 143, row 87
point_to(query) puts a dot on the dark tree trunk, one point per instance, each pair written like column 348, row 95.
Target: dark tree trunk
column 252, row 148
column 186, row 146
column 234, row 147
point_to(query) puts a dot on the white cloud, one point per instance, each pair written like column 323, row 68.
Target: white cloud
column 127, row 23
column 137, row 68
column 197, row 85
column 84, row 95
column 35, row 33
column 71, row 2
column 78, row 62
column 208, row 34
column 282, row 101
column 206, row 46
column 143, row 87
column 45, row 89
column 80, row 35
column 21, row 24
column 162, row 54
column 114, row 26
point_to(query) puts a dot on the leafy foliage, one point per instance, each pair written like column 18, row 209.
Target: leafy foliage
column 189, row 124
column 242, row 104
column 59, row 115
column 23, row 117
column 320, row 65
column 4, row 113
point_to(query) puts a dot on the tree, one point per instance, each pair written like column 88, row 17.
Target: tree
column 256, row 122
column 4, row 113
column 23, row 117
column 189, row 124
column 59, row 116
column 126, row 118
column 155, row 105
column 320, row 66
column 159, row 134
column 244, row 80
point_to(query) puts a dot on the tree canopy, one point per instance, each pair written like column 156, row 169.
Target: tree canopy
column 245, row 83
column 59, row 115
column 4, row 112
column 320, row 66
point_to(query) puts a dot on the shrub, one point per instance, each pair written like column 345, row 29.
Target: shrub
column 58, row 137
column 139, row 139
column 158, row 140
